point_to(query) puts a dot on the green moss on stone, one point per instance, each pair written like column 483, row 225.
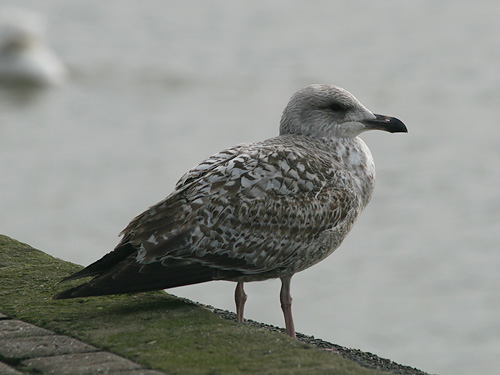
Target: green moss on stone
column 155, row 329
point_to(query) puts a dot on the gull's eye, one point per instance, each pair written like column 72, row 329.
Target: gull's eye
column 337, row 107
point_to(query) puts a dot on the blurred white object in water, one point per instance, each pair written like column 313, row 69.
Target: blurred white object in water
column 25, row 59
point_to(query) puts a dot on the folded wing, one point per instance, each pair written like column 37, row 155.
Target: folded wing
column 250, row 212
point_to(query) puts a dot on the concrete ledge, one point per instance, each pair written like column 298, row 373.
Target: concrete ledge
column 86, row 364
column 147, row 331
column 36, row 350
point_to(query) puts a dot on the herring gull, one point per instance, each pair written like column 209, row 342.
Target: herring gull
column 253, row 211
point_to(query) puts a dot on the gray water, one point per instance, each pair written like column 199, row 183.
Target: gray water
column 155, row 87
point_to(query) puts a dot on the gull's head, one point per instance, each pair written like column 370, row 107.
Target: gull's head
column 330, row 111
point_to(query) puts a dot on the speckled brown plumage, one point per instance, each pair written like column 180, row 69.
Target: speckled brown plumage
column 253, row 211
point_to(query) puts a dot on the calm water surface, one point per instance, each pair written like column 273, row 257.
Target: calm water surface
column 155, row 87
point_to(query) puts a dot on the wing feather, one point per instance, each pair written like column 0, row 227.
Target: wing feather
column 255, row 211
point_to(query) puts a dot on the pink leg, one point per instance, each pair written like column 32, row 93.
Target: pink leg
column 240, row 298
column 286, row 305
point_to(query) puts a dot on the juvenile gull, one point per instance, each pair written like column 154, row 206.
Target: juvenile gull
column 253, row 211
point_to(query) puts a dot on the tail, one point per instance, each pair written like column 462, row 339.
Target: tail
column 104, row 264
column 87, row 290
column 69, row 293
column 132, row 277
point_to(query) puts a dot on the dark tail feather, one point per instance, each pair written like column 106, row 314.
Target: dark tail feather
column 133, row 278
column 67, row 293
column 104, row 264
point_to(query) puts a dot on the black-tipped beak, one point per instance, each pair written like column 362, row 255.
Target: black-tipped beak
column 386, row 123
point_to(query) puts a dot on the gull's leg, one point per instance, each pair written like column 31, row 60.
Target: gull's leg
column 286, row 305
column 240, row 298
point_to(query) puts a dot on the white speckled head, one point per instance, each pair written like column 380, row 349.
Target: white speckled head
column 330, row 111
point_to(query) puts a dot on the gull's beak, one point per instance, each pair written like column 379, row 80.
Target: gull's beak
column 386, row 123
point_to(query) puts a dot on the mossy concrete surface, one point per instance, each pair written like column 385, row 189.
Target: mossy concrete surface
column 156, row 329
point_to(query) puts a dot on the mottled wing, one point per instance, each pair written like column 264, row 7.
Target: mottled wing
column 254, row 212
column 164, row 216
